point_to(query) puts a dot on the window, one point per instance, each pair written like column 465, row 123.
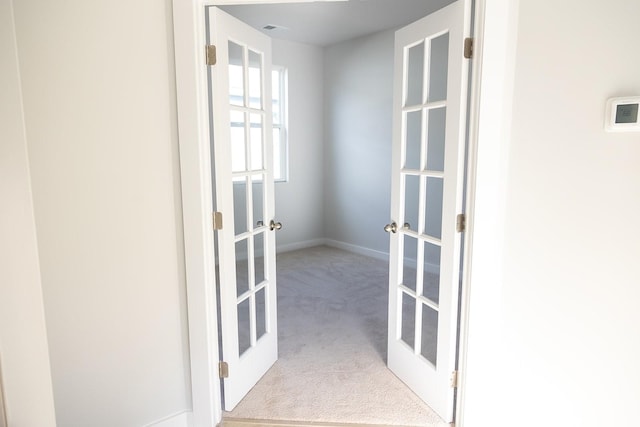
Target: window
column 280, row 152
column 279, row 105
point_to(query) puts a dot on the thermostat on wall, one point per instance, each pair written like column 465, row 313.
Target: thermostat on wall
column 623, row 114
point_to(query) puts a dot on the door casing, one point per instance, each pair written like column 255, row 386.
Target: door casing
column 495, row 29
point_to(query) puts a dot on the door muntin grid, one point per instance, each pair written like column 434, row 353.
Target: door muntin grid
column 249, row 175
column 422, row 181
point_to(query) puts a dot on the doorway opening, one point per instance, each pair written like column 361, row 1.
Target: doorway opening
column 341, row 172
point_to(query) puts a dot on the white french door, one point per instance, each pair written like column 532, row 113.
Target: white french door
column 427, row 185
column 240, row 95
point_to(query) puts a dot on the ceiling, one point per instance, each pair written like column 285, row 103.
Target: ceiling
column 325, row 23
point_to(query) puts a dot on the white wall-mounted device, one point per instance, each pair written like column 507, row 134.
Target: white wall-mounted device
column 623, row 114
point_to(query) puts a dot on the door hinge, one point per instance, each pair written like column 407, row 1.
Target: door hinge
column 223, row 369
column 211, row 54
column 468, row 48
column 217, row 220
column 454, row 379
column 461, row 223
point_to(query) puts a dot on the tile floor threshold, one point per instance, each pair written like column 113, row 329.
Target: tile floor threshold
column 242, row 422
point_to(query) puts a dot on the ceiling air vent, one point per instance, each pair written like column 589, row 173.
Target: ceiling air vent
column 269, row 27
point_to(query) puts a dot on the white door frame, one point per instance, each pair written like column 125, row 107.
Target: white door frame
column 493, row 65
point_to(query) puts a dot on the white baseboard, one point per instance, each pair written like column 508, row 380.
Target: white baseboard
column 357, row 249
column 181, row 419
column 383, row 256
column 300, row 245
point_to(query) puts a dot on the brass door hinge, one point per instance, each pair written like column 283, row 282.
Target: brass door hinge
column 468, row 48
column 454, row 379
column 223, row 369
column 461, row 223
column 211, row 54
column 217, row 220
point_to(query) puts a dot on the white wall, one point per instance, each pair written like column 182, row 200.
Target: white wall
column 568, row 349
column 99, row 101
column 358, row 100
column 299, row 201
column 24, row 355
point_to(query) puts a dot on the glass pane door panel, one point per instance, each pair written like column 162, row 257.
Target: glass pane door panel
column 240, row 206
column 258, row 200
column 431, row 274
column 415, row 75
column 257, row 142
column 433, row 208
column 261, row 313
column 236, row 74
column 410, row 256
column 255, row 80
column 238, row 142
column 244, row 326
column 242, row 267
column 435, row 139
column 413, row 141
column 411, row 202
column 429, row 336
column 408, row 331
column 258, row 245
column 438, row 67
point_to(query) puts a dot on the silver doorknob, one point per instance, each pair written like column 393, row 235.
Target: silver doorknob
column 275, row 225
column 391, row 228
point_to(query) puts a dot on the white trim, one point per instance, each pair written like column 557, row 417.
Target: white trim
column 383, row 256
column 181, row 419
column 195, row 174
column 495, row 37
column 3, row 409
column 300, row 245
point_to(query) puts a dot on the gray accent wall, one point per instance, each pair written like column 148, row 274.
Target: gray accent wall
column 299, row 200
column 358, row 80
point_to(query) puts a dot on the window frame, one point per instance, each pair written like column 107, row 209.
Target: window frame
column 283, row 125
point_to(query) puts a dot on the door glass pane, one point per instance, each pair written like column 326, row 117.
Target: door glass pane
column 438, row 67
column 431, row 275
column 258, row 201
column 238, row 142
column 244, row 326
column 411, row 206
column 257, row 142
column 435, row 139
column 433, row 211
column 408, row 334
column 409, row 262
column 429, row 334
column 242, row 267
column 261, row 313
column 236, row 74
column 240, row 206
column 415, row 75
column 258, row 245
column 413, row 142
column 255, row 80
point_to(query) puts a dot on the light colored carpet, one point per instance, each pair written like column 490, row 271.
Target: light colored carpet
column 332, row 314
